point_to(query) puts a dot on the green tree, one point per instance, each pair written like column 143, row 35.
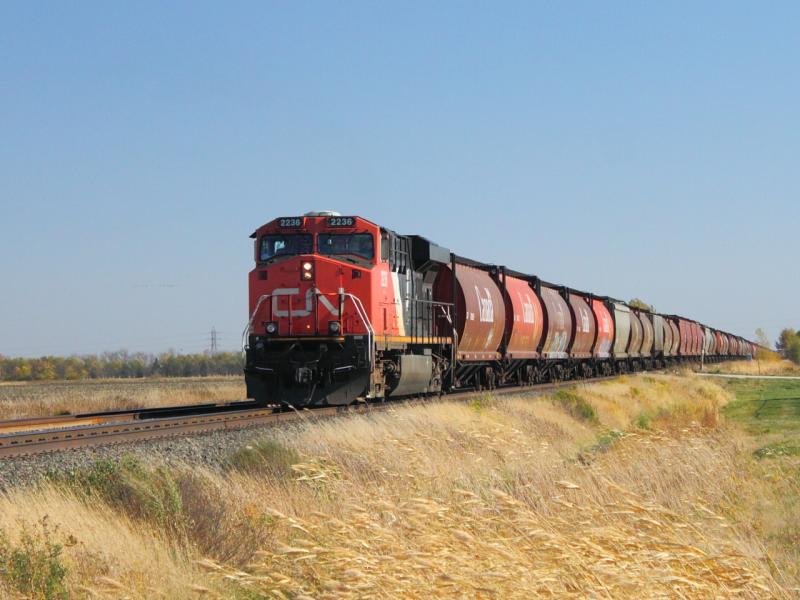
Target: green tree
column 788, row 344
column 793, row 351
column 785, row 339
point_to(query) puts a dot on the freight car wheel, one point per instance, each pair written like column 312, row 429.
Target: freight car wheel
column 530, row 375
column 487, row 379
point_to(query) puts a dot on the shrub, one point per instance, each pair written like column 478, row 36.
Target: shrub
column 187, row 505
column 644, row 421
column 150, row 494
column 33, row 566
column 607, row 439
column 576, row 406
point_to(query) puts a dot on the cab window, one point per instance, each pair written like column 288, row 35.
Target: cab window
column 357, row 245
column 285, row 245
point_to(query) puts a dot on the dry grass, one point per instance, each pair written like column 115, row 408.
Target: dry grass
column 503, row 498
column 53, row 398
column 772, row 366
column 107, row 554
column 657, row 400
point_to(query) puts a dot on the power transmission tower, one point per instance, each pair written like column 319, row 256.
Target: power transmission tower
column 213, row 340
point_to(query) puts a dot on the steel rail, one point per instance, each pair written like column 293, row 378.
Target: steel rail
column 31, row 442
column 116, row 416
column 40, row 423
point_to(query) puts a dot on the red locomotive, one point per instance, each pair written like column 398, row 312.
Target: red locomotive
column 342, row 309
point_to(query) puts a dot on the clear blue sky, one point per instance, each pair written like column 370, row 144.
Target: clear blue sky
column 633, row 148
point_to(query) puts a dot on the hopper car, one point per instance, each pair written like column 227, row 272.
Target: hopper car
column 344, row 310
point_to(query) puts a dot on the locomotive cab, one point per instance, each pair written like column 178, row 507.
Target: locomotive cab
column 309, row 337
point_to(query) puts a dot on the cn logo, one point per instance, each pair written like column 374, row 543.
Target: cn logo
column 528, row 312
column 300, row 312
column 584, row 319
column 559, row 316
column 486, row 306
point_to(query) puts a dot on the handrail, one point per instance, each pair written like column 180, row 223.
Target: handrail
column 362, row 313
column 249, row 326
column 357, row 303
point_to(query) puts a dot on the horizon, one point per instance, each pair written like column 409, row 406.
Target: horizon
column 630, row 151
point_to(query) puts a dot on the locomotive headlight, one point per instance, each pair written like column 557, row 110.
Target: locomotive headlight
column 307, row 266
column 272, row 327
column 334, row 327
column 308, row 271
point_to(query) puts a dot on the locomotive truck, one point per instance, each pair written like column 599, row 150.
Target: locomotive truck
column 345, row 310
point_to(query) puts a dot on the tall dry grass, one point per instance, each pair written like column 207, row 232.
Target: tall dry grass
column 66, row 397
column 771, row 365
column 501, row 498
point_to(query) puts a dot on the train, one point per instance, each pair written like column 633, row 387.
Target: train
column 343, row 310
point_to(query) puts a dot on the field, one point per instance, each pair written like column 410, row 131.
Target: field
column 65, row 397
column 771, row 366
column 642, row 487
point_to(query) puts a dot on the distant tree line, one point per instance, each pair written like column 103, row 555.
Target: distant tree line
column 120, row 364
column 788, row 344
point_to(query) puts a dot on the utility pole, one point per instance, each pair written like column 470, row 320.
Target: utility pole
column 213, row 340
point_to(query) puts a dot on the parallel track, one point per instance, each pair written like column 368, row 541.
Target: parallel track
column 26, row 437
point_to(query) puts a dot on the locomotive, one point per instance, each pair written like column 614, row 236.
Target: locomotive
column 344, row 310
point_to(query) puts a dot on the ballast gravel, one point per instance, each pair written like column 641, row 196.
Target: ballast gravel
column 210, row 450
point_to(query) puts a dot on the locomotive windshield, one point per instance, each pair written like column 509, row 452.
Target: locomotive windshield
column 359, row 245
column 285, row 245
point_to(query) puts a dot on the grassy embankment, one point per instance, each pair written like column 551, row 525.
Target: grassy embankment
column 633, row 488
column 71, row 397
column 769, row 411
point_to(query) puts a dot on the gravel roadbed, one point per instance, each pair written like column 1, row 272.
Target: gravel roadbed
column 209, row 450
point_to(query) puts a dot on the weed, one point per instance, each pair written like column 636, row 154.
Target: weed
column 265, row 456
column 150, row 494
column 481, row 403
column 475, row 404
column 775, row 450
column 186, row 505
column 644, row 421
column 576, row 405
column 33, row 565
column 607, row 439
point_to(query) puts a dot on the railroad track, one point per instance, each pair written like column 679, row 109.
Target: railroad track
column 25, row 437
